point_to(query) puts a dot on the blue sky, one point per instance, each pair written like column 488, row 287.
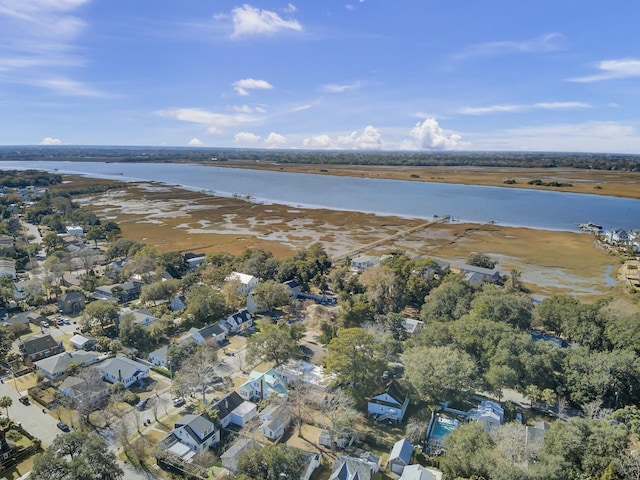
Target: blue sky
column 322, row 74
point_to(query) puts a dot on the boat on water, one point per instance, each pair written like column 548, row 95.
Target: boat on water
column 590, row 227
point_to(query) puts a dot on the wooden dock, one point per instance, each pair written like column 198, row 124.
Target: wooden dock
column 389, row 239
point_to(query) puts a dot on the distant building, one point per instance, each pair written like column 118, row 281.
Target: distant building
column 123, row 369
column 39, row 347
column 71, row 302
column 75, row 230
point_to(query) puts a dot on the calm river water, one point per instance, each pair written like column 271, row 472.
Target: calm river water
column 507, row 206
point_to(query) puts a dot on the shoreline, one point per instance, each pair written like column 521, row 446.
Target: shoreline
column 590, row 182
column 175, row 219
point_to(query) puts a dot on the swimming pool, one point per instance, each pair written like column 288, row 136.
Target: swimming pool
column 442, row 426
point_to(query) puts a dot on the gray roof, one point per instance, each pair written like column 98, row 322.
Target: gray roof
column 196, row 426
column 160, row 352
column 402, row 450
column 121, row 366
column 238, row 448
column 60, row 362
column 416, row 472
column 350, row 468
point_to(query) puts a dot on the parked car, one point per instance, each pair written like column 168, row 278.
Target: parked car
column 44, row 324
column 24, row 400
column 178, row 402
column 63, row 426
column 142, row 404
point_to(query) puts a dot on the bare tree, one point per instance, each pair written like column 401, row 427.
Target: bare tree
column 592, row 409
column 196, row 373
column 629, row 463
column 341, row 417
column 415, row 430
column 298, row 403
column 563, row 404
column 89, row 397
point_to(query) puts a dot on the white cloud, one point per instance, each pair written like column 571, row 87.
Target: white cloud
column 40, row 36
column 275, row 140
column 340, row 88
column 213, row 119
column 369, row 139
column 522, row 107
column 348, row 6
column 65, row 86
column 246, row 138
column 195, row 142
column 613, row 69
column 50, row 141
column 242, row 86
column 290, row 8
column 214, row 131
column 318, row 141
column 432, row 137
column 248, row 21
column 546, row 43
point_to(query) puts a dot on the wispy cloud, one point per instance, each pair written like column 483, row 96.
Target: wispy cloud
column 67, row 87
column 250, row 21
column 522, row 107
column 611, row 70
column 341, row 88
column 214, row 120
column 39, row 39
column 243, row 86
column 546, row 43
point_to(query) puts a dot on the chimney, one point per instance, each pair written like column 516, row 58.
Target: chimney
column 119, row 375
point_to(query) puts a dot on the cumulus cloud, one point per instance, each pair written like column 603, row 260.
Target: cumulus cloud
column 246, row 138
column 546, row 43
column 369, row 139
column 242, row 86
column 522, row 107
column 195, row 142
column 432, row 137
column 250, row 21
column 50, row 141
column 275, row 140
column 340, row 88
column 613, row 69
column 318, row 141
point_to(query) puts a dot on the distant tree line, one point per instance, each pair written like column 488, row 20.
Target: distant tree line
column 595, row 161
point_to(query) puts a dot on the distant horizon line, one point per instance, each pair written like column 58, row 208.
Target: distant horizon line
column 316, row 151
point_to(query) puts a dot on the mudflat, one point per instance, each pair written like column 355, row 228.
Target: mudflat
column 173, row 219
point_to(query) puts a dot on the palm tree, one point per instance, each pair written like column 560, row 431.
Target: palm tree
column 6, row 402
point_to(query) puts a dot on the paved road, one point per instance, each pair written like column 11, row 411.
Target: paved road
column 42, row 425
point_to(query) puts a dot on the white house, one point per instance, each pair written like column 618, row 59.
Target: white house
column 351, row 468
column 391, row 404
column 56, row 366
column 123, row 369
column 233, row 409
column 246, row 284
column 400, row 457
column 159, row 357
column 300, row 371
column 239, row 321
column 275, row 419
column 80, row 390
column 75, row 230
column 262, row 385
column 210, row 335
column 412, row 326
column 489, row 413
column 8, row 268
column 417, row 472
column 80, row 342
column 192, row 434
column 142, row 317
column 362, row 262
column 312, row 461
